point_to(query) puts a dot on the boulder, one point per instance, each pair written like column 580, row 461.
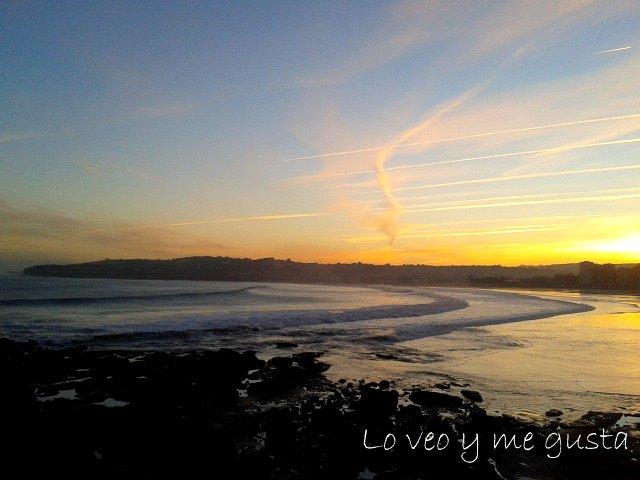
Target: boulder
column 472, row 395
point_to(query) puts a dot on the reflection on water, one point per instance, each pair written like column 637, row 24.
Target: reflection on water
column 580, row 361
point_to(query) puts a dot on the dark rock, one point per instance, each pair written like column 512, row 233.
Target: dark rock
column 387, row 356
column 553, row 413
column 285, row 344
column 183, row 417
column 472, row 395
column 376, row 403
column 251, row 361
column 601, row 419
column 280, row 362
column 308, row 361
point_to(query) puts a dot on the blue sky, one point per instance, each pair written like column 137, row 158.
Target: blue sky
column 150, row 129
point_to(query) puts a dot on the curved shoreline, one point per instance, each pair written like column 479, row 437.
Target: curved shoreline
column 416, row 331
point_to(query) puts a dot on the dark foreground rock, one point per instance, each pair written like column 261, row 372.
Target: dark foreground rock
column 471, row 395
column 77, row 413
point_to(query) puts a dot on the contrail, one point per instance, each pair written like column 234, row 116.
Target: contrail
column 483, row 157
column 467, row 137
column 276, row 217
column 221, row 220
column 529, row 219
column 515, row 177
column 387, row 221
column 483, row 221
column 513, row 229
column 603, row 198
column 482, row 200
column 471, row 233
column 473, row 201
column 614, row 50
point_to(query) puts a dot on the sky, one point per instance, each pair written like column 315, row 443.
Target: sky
column 384, row 132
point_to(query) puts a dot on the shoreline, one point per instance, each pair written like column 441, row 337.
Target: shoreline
column 103, row 413
column 356, row 284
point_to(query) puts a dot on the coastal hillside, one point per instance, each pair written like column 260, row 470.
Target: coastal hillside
column 270, row 269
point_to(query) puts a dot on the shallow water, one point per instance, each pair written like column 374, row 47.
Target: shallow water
column 576, row 362
column 525, row 351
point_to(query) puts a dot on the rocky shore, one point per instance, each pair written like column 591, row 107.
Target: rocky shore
column 83, row 413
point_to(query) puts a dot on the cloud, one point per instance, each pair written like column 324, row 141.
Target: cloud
column 525, row 176
column 464, row 33
column 509, row 25
column 403, row 28
column 458, row 138
column 512, row 203
column 587, row 111
column 281, row 216
column 47, row 236
column 566, row 148
column 511, row 22
column 16, row 137
column 387, row 221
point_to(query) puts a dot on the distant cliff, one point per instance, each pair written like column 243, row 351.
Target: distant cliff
column 269, row 269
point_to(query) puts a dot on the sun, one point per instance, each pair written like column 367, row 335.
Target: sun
column 629, row 245
column 621, row 249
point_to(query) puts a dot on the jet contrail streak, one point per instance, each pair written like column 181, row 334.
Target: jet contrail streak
column 483, row 157
column 221, row 220
column 475, row 201
column 275, row 217
column 475, row 233
column 467, row 137
column 515, row 177
column 605, row 198
column 614, row 50
column 387, row 221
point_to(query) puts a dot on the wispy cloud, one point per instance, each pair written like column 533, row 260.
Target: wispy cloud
column 481, row 200
column 514, row 203
column 42, row 234
column 16, row 137
column 413, row 26
column 283, row 216
column 518, row 177
column 387, row 221
column 479, row 232
column 482, row 157
column 465, row 137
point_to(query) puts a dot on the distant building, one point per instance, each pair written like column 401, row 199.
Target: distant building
column 587, row 275
column 609, row 277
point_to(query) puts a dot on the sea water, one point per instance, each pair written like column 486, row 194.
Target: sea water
column 526, row 351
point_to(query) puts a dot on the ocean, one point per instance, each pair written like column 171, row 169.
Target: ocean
column 526, row 351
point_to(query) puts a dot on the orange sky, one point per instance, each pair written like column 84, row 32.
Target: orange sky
column 401, row 132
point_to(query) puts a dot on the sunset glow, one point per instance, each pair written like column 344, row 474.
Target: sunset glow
column 502, row 135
